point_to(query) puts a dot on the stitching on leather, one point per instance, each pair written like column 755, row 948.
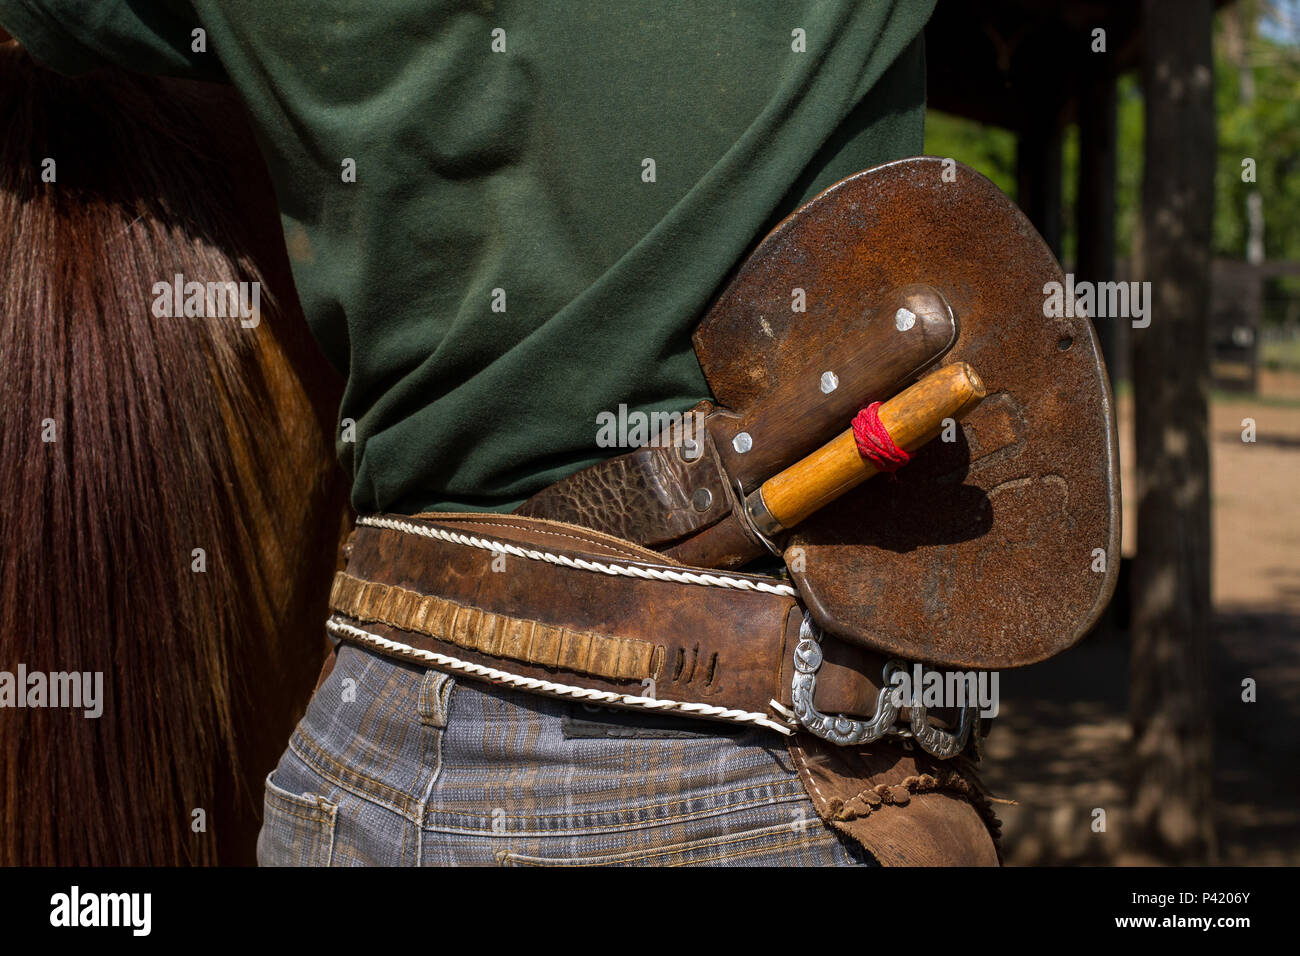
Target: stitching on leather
column 688, row 575
column 634, row 555
column 796, row 750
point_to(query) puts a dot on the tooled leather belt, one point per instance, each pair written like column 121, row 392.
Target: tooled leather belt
column 562, row 611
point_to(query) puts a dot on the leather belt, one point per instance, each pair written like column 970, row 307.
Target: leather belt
column 560, row 610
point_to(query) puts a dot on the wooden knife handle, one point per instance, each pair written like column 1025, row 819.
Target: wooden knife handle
column 910, row 330
column 912, row 418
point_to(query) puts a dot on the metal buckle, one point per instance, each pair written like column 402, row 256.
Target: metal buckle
column 847, row 731
column 942, row 743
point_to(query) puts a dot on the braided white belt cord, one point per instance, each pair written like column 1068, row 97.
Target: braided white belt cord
column 343, row 629
column 653, row 574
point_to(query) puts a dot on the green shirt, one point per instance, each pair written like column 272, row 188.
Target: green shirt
column 504, row 267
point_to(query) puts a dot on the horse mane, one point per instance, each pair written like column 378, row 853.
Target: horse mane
column 170, row 434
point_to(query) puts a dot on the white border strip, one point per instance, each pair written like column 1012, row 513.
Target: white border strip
column 653, row 574
column 550, row 687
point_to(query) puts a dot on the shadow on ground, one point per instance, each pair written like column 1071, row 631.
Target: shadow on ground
column 1060, row 747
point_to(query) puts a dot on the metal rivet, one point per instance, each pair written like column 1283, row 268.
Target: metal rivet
column 830, row 382
column 702, row 499
column 742, row 442
column 904, row 319
column 689, row 450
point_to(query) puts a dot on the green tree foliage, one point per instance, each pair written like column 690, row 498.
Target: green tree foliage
column 989, row 149
column 1256, row 43
column 1262, row 124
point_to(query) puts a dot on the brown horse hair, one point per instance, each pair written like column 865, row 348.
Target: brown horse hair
column 168, row 435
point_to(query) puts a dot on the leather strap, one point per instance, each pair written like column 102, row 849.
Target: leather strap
column 565, row 611
column 652, row 495
column 523, row 640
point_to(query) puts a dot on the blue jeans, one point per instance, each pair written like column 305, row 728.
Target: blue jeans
column 399, row 766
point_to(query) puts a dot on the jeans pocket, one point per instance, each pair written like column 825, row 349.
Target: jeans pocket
column 297, row 829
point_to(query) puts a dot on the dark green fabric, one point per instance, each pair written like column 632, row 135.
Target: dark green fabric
column 478, row 170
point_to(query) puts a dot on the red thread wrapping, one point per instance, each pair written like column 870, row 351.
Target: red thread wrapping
column 874, row 441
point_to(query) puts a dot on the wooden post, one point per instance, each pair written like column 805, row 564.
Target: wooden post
column 1038, row 168
column 1169, row 701
column 1095, row 206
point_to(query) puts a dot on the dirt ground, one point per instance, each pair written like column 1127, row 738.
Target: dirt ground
column 1060, row 746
